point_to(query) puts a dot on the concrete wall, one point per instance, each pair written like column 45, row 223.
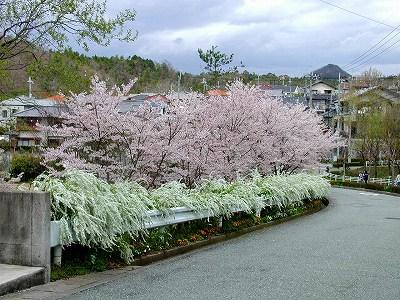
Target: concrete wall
column 25, row 229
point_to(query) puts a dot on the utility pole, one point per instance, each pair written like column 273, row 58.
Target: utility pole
column 338, row 117
column 312, row 77
column 204, row 82
column 30, row 82
column 179, row 84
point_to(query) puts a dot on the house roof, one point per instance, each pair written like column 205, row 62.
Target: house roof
column 40, row 112
column 366, row 90
column 135, row 97
column 321, row 81
column 284, row 88
column 29, row 102
column 273, row 92
column 324, row 96
column 157, row 97
column 381, row 91
column 264, row 87
column 294, row 100
column 135, row 100
column 217, row 92
column 57, row 97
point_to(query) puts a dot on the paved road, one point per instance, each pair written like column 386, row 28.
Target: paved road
column 350, row 250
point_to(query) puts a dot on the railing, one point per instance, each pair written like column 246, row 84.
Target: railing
column 157, row 220
column 387, row 181
column 380, row 163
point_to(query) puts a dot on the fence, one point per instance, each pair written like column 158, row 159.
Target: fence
column 387, row 181
column 157, row 220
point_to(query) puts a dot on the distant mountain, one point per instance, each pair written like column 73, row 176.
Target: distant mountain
column 331, row 71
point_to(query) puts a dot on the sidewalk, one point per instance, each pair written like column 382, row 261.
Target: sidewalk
column 60, row 288
column 13, row 277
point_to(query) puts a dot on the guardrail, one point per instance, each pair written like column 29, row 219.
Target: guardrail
column 387, row 181
column 157, row 220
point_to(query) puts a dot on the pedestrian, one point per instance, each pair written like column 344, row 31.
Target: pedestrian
column 397, row 181
column 365, row 176
column 361, row 177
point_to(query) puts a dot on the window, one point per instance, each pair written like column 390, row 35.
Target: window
column 23, row 143
column 14, row 111
column 4, row 114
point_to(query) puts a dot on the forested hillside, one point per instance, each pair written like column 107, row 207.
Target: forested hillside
column 70, row 71
column 67, row 71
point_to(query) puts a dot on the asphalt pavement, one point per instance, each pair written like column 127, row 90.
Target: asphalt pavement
column 349, row 250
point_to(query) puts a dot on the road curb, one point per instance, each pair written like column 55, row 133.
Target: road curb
column 161, row 255
column 365, row 190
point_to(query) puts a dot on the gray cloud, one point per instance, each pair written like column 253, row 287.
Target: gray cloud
column 283, row 37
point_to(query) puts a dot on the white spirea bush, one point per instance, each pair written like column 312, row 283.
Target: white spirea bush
column 96, row 213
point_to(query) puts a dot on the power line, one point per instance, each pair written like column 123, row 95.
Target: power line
column 384, row 50
column 357, row 14
column 370, row 52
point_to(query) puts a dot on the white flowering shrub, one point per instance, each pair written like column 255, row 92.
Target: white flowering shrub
column 97, row 213
column 93, row 211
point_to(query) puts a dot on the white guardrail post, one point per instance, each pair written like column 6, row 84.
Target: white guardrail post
column 55, row 242
column 157, row 220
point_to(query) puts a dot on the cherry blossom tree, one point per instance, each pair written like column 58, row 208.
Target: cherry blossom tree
column 249, row 130
column 199, row 137
column 99, row 138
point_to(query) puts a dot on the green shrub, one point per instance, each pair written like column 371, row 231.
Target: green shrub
column 4, row 145
column 370, row 186
column 28, row 164
column 352, row 164
column 3, row 130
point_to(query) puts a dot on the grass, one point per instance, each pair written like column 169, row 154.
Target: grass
column 382, row 171
column 369, row 186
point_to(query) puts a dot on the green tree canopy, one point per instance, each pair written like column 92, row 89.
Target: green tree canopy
column 215, row 60
column 28, row 25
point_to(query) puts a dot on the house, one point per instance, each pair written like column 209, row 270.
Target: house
column 344, row 119
column 276, row 91
column 269, row 90
column 14, row 105
column 322, row 103
column 320, row 87
column 135, row 100
column 27, row 133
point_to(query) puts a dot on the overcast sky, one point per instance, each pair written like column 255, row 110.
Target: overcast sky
column 291, row 37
